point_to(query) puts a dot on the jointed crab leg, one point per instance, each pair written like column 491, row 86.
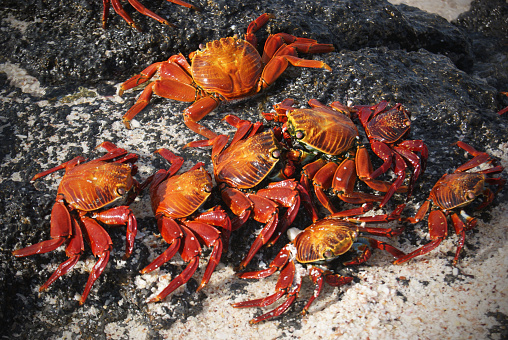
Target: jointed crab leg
column 140, row 8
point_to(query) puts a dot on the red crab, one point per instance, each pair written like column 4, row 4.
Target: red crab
column 227, row 69
column 387, row 130
column 85, row 197
column 454, row 191
column 242, row 169
column 175, row 201
column 320, row 243
column 117, row 6
column 329, row 142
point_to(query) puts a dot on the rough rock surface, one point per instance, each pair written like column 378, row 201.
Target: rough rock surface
column 448, row 75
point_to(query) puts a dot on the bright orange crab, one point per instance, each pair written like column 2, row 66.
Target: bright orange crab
column 224, row 70
column 175, row 201
column 329, row 142
column 117, row 6
column 454, row 191
column 387, row 130
column 242, row 170
column 320, row 243
column 85, row 195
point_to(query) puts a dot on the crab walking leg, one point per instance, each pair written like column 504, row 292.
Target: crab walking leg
column 120, row 11
column 175, row 83
column 61, row 229
column 74, row 249
column 190, row 253
column 101, row 244
column 284, row 286
column 172, row 234
column 317, row 274
column 198, row 111
column 255, row 25
column 211, row 237
column 265, row 211
column 181, row 279
column 285, row 194
column 140, row 8
column 286, row 44
column 121, row 215
column 175, row 68
column 478, row 158
column 73, row 162
column 292, row 294
column 165, row 88
column 438, row 230
column 217, row 217
column 145, row 11
column 277, row 263
column 279, row 64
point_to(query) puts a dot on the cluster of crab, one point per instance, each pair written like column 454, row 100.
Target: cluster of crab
column 312, row 155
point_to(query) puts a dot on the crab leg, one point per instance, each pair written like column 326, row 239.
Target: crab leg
column 101, row 243
column 120, row 11
column 196, row 112
column 190, row 253
column 283, row 193
column 140, row 8
column 172, row 234
column 211, row 237
column 175, row 68
column 265, row 211
column 61, row 229
column 218, row 218
column 115, row 152
column 283, row 282
column 239, row 204
column 145, row 11
column 478, row 157
column 438, row 230
column 460, row 230
column 67, row 165
column 73, row 250
column 121, row 215
column 292, row 295
column 175, row 82
column 364, row 171
column 418, row 164
column 343, row 184
column 287, row 44
column 400, row 171
column 166, row 88
column 316, row 274
column 277, row 263
column 255, row 25
column 278, row 64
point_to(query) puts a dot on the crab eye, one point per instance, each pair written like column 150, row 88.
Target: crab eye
column 299, row 134
column 276, row 154
column 121, row 191
column 328, row 253
column 470, row 195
